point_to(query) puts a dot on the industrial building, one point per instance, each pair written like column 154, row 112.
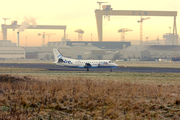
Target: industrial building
column 7, row 43
column 151, row 52
column 83, row 52
column 110, row 45
column 169, row 39
column 94, row 49
column 31, row 52
column 12, row 53
column 46, row 53
column 89, row 50
column 75, row 52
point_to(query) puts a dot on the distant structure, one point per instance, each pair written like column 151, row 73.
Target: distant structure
column 141, row 28
column 17, row 39
column 80, row 33
column 169, row 29
column 5, row 20
column 147, row 40
column 43, row 37
column 169, row 39
column 7, row 43
column 151, row 52
column 91, row 36
column 122, row 31
column 49, row 34
column 158, row 41
column 100, row 4
column 15, row 26
column 106, row 11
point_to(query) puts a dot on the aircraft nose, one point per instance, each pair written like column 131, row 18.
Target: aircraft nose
column 115, row 64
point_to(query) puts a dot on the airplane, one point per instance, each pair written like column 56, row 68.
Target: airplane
column 75, row 63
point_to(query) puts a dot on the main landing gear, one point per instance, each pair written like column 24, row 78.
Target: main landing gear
column 111, row 69
column 87, row 69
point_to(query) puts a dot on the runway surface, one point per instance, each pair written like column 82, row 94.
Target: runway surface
column 52, row 67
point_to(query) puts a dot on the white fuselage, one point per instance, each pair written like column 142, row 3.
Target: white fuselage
column 82, row 63
column 68, row 62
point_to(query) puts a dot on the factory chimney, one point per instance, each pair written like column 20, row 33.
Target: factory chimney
column 17, row 39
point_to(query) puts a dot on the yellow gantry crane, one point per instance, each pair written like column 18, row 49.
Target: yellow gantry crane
column 43, row 37
column 141, row 28
column 122, row 31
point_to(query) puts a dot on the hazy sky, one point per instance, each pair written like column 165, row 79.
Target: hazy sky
column 79, row 14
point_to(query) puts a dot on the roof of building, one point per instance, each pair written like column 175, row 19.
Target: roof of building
column 102, row 45
column 83, row 48
column 12, row 50
column 153, row 48
column 7, row 43
column 31, row 49
column 89, row 47
column 165, row 48
column 137, row 48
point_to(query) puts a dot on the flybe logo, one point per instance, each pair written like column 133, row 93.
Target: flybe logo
column 69, row 62
column 65, row 61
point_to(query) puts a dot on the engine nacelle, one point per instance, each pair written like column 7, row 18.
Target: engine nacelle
column 87, row 65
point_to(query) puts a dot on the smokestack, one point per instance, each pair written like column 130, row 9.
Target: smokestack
column 17, row 39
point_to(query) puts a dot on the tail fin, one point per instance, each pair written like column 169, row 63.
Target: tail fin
column 57, row 55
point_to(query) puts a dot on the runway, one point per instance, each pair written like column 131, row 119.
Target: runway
column 52, row 67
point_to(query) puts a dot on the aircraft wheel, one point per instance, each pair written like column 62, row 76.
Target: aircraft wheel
column 87, row 69
column 111, row 69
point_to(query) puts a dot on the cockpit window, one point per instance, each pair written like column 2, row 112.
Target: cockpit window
column 110, row 61
column 60, row 60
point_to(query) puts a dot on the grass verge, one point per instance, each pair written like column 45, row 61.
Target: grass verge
column 78, row 97
column 40, row 94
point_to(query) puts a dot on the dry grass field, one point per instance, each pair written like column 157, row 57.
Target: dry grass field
column 41, row 94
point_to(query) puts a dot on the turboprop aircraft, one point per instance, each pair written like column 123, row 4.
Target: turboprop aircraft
column 75, row 63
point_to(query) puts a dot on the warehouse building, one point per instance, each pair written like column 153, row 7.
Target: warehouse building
column 168, row 39
column 134, row 52
column 146, row 52
column 7, row 43
column 31, row 52
column 12, row 52
column 83, row 52
column 96, row 49
column 75, row 52
column 71, row 49
column 109, row 45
